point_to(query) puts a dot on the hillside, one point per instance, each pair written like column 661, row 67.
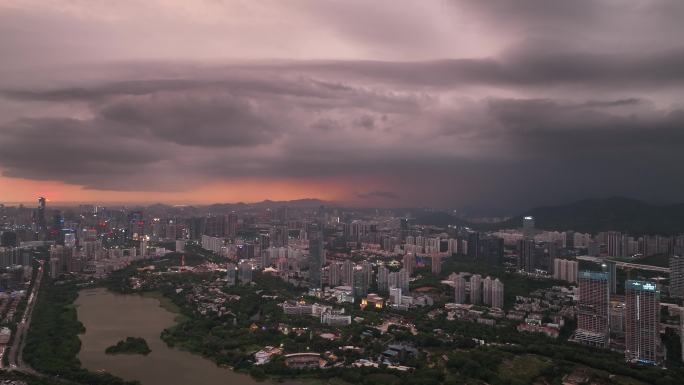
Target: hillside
column 615, row 213
column 590, row 216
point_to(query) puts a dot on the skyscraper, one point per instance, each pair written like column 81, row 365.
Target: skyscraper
column 476, row 289
column 459, row 289
column 215, row 226
column 611, row 269
column 348, row 273
column 335, row 278
column 399, row 279
column 526, row 255
column 487, row 291
column 231, row 224
column 245, row 272
column 614, row 243
column 409, row 263
column 231, row 274
column 677, row 276
column 436, row 264
column 360, row 286
column 8, row 239
column 473, row 245
column 383, row 279
column 528, row 227
column 497, row 294
column 593, row 309
column 316, row 260
column 642, row 338
column 143, row 247
column 565, row 270
column 41, row 224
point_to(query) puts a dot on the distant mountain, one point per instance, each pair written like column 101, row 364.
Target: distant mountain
column 616, row 213
column 297, row 203
column 438, row 218
column 627, row 215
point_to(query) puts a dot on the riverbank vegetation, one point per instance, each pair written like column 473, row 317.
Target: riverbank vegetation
column 52, row 342
column 131, row 345
column 451, row 351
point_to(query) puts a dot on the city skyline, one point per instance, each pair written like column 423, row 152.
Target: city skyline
column 444, row 103
column 366, row 192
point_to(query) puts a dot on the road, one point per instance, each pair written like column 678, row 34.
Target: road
column 15, row 359
column 627, row 265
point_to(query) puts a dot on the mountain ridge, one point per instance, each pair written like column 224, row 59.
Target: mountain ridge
column 616, row 213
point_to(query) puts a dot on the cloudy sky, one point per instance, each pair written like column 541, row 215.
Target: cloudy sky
column 446, row 103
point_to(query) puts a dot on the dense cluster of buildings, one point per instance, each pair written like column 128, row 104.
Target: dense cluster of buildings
column 478, row 291
column 368, row 257
column 636, row 320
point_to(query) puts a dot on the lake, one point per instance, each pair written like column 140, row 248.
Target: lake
column 109, row 318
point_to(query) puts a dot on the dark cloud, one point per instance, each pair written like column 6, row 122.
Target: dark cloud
column 366, row 121
column 531, row 64
column 90, row 153
column 187, row 119
column 326, row 124
column 563, row 100
column 504, row 151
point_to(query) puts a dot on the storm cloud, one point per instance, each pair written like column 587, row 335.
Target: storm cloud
column 555, row 103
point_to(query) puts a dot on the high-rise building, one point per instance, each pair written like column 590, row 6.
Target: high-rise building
column 231, row 274
column 383, row 279
column 316, row 260
column 528, row 227
column 245, row 272
column 565, row 270
column 360, row 286
column 180, row 245
column 395, row 295
column 593, row 309
column 452, row 246
column 409, row 263
column 399, row 279
column 436, row 264
column 617, row 319
column 215, row 226
column 677, row 276
column 348, row 273
column 335, row 278
column 40, row 215
column 642, row 321
column 459, row 289
column 526, row 261
column 611, row 269
column 497, row 294
column 196, row 227
column 280, row 235
column 70, row 240
column 143, row 248
column 368, row 270
column 569, row 240
column 487, row 291
column 551, row 253
column 491, row 249
column 231, row 224
column 8, row 239
column 681, row 330
column 476, row 289
column 614, row 244
column 473, row 245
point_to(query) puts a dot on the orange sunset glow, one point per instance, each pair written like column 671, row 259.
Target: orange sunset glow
column 247, row 190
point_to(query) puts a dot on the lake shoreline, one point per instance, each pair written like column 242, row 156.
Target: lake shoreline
column 109, row 317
